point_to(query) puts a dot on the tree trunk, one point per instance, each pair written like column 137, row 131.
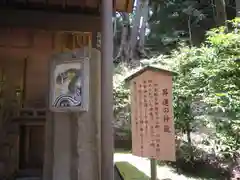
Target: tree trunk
column 145, row 11
column 132, row 35
column 237, row 8
column 135, row 29
column 123, row 51
column 189, row 141
column 221, row 16
column 190, row 30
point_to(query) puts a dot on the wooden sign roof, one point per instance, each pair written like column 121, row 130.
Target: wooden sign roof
column 151, row 68
column 69, row 5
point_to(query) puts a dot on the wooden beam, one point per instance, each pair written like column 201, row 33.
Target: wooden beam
column 49, row 21
column 107, row 146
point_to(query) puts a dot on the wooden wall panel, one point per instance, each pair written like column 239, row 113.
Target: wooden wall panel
column 20, row 1
column 78, row 3
column 55, row 2
column 124, row 5
column 120, row 5
column 16, row 37
column 20, row 37
column 36, row 1
column 3, row 36
column 42, row 41
column 91, row 3
column 13, row 75
column 37, row 80
column 38, row 55
column 49, row 21
column 37, row 75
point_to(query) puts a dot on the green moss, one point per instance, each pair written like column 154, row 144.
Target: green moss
column 129, row 172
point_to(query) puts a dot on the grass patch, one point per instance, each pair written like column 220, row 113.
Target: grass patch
column 129, row 172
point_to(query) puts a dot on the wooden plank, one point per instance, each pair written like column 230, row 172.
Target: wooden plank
column 36, row 1
column 55, row 21
column 31, row 112
column 21, row 38
column 92, row 3
column 55, row 2
column 20, row 1
column 78, row 3
column 124, row 5
column 120, row 5
column 42, row 41
column 29, row 121
column 4, row 32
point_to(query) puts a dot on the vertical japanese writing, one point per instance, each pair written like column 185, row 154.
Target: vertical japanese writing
column 151, row 115
column 157, row 119
column 135, row 122
column 165, row 104
column 140, row 92
column 135, row 109
column 145, row 95
column 150, row 103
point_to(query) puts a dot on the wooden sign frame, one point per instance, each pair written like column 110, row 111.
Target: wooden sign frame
column 76, row 93
column 153, row 133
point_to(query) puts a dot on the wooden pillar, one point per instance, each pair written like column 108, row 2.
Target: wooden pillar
column 76, row 135
column 87, row 127
column 48, row 148
column 106, row 91
column 62, row 147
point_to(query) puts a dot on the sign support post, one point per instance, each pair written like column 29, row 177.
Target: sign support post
column 153, row 169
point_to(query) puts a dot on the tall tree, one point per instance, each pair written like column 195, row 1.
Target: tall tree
column 130, row 33
column 173, row 21
column 221, row 15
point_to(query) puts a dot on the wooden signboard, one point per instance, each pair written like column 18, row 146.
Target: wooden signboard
column 69, row 82
column 153, row 133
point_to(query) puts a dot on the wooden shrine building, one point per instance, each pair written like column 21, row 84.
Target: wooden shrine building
column 34, row 141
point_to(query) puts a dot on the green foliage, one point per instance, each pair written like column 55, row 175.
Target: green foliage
column 121, row 106
column 207, row 73
column 171, row 19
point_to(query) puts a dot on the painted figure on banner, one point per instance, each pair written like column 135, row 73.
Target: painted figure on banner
column 67, row 85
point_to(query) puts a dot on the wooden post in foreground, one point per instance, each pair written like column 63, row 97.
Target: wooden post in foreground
column 107, row 146
column 153, row 169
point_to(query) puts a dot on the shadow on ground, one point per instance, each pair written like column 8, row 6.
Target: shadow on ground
column 199, row 167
